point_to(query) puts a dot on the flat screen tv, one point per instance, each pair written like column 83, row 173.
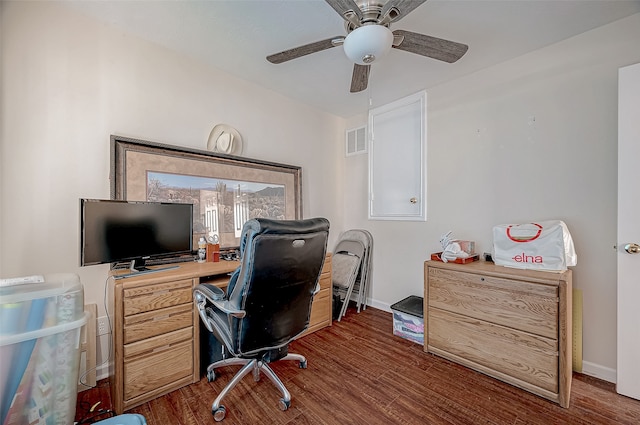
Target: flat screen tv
column 114, row 231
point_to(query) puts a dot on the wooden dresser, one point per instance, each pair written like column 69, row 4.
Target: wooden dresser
column 511, row 324
column 155, row 328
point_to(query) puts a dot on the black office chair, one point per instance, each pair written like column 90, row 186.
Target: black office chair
column 268, row 300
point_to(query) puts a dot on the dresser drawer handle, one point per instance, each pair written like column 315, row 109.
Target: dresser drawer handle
column 482, row 279
column 162, row 348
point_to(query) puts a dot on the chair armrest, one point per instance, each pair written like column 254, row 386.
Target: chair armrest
column 216, row 296
column 210, row 291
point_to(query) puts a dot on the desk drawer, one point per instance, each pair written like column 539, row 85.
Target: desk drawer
column 325, row 275
column 327, row 263
column 152, row 323
column 325, row 280
column 321, row 307
column 156, row 296
column 530, row 358
column 522, row 305
column 157, row 343
column 164, row 366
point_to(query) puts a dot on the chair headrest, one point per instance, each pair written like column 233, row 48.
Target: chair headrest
column 262, row 226
column 271, row 226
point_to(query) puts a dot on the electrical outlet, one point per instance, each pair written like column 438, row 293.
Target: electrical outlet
column 103, row 325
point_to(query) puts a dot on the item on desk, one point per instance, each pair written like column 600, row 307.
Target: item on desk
column 213, row 253
column 453, row 249
column 230, row 255
column 202, row 250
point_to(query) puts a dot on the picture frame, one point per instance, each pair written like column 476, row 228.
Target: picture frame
column 226, row 190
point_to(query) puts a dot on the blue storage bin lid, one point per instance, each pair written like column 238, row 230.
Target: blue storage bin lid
column 54, row 285
column 125, row 419
column 30, row 307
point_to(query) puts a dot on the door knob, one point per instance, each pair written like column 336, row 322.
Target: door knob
column 632, row 248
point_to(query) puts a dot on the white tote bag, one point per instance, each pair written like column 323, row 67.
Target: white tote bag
column 544, row 245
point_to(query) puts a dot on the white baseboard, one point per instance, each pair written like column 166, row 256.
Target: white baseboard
column 598, row 371
column 104, row 356
column 379, row 305
column 102, row 372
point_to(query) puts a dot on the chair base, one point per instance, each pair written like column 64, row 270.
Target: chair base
column 250, row 365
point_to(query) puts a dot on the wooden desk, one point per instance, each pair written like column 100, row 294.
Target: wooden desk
column 155, row 328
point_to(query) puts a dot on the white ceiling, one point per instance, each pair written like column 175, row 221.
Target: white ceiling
column 237, row 35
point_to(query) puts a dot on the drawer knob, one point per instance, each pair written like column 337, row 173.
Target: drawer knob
column 482, row 279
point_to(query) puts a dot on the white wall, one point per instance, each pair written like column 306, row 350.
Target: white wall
column 69, row 83
column 490, row 163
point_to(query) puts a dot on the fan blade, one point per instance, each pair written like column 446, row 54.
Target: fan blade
column 307, row 49
column 397, row 40
column 360, row 78
column 431, row 47
column 393, row 11
column 346, row 7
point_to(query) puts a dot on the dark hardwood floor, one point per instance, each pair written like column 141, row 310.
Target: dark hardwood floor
column 359, row 373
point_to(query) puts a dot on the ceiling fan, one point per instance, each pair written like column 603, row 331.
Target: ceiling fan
column 368, row 38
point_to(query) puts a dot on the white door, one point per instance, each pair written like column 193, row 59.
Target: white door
column 397, row 160
column 628, row 368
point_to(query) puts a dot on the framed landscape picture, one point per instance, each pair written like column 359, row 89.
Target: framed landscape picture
column 225, row 190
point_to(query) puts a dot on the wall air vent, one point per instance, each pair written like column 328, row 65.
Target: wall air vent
column 356, row 141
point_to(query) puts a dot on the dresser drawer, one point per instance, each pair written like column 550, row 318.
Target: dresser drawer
column 152, row 323
column 165, row 366
column 521, row 305
column 156, row 296
column 529, row 358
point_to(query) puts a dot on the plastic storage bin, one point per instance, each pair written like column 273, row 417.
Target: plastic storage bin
column 40, row 327
column 408, row 319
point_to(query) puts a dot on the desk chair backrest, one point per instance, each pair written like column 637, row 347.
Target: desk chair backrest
column 281, row 262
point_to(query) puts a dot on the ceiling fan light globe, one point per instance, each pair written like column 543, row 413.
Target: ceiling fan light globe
column 368, row 43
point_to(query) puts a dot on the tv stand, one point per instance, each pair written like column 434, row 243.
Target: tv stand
column 143, row 270
column 137, row 265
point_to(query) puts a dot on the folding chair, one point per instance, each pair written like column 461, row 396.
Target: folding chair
column 346, row 265
column 361, row 284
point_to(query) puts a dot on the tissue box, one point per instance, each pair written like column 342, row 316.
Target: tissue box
column 467, row 246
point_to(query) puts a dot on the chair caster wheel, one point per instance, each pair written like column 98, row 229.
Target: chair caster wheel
column 219, row 413
column 303, row 364
column 211, row 376
column 284, row 404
